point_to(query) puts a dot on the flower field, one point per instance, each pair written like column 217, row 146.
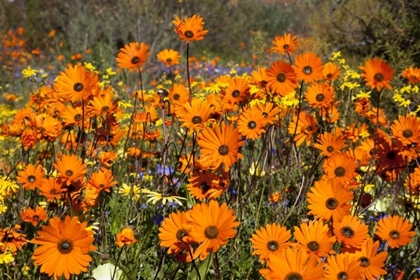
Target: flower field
column 303, row 167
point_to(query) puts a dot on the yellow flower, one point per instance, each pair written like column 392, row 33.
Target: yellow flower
column 289, row 100
column 29, row 72
column 213, row 88
column 133, row 191
column 155, row 197
column 6, row 257
column 7, row 188
column 255, row 170
column 362, row 94
column 110, row 72
column 89, row 66
column 400, row 100
column 349, row 85
column 335, row 55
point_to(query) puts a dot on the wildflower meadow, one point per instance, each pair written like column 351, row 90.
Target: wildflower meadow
column 148, row 163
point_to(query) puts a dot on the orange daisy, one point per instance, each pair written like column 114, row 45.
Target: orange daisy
column 71, row 168
column 76, row 83
column 178, row 95
column 395, row 230
column 328, row 199
column 331, row 71
column 204, row 184
column 219, row 146
column 412, row 74
column 194, row 115
column 74, row 116
column 102, row 179
column 342, row 266
column 330, row 143
column 103, row 105
column 125, row 237
column 308, row 67
column 212, row 225
column 371, row 262
column 133, row 55
column 32, row 216
column 237, row 90
column 304, row 129
column 30, row 177
column 190, row 29
column 407, row 130
column 286, row 43
column 377, row 74
column 63, row 247
column 270, row 240
column 340, row 167
column 51, row 188
column 320, row 95
column 351, row 231
column 281, row 78
column 251, row 123
column 169, row 57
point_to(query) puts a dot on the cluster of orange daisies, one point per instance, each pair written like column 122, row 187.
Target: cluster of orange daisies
column 76, row 129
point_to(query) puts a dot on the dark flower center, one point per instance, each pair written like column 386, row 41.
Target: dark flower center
column 342, row 275
column 320, row 97
column 196, row 120
column 330, row 149
column 53, row 191
column 181, row 233
column 236, row 93
column 189, row 34
column 347, row 232
column 407, row 133
column 78, row 117
column 65, row 246
column 307, row 70
column 379, row 77
column 78, row 87
column 313, row 246
column 391, row 155
column 309, row 128
column 272, row 245
column 223, row 150
column 293, row 276
column 135, row 60
column 105, row 108
column 169, row 60
column 204, row 187
column 31, row 178
column 69, row 173
column 35, row 218
column 252, row 125
column 286, row 46
column 364, row 262
column 331, row 203
column 329, row 75
column 211, row 232
column 340, row 171
column 394, row 234
column 176, row 96
column 281, row 77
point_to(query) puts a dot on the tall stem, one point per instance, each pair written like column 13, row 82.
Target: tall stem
column 188, row 70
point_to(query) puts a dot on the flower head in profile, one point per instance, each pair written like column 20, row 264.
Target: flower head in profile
column 377, row 74
column 125, row 237
column 133, row 55
column 190, row 29
column 212, row 225
column 63, row 247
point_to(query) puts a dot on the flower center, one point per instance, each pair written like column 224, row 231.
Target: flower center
column 252, row 125
column 211, row 232
column 196, row 120
column 236, row 93
column 313, row 246
column 394, row 234
column 293, row 276
column 320, row 97
column 176, row 96
column 105, row 109
column 330, row 149
column 78, row 117
column 78, row 87
column 379, row 77
column 181, row 233
column 286, row 46
column 391, row 155
column 307, row 70
column 329, row 76
column 189, row 34
column 281, row 77
column 331, row 203
column 407, row 133
column 272, row 245
column 204, row 187
column 135, row 60
column 364, row 262
column 309, row 128
column 35, row 218
column 224, row 150
column 340, row 171
column 342, row 276
column 31, row 178
column 347, row 232
column 69, row 173
column 65, row 246
column 169, row 60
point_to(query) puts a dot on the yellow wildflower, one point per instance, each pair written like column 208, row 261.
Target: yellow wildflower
column 29, row 72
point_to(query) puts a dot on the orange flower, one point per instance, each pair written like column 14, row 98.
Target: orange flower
column 103, row 105
column 63, row 247
column 74, row 116
column 320, row 95
column 76, row 83
column 174, row 234
column 351, row 231
column 251, row 123
column 125, row 237
column 212, row 225
column 133, row 55
column 31, row 176
column 237, row 91
column 304, row 129
column 308, row 67
column 377, row 74
column 190, row 29
column 330, row 143
column 51, row 188
column 412, row 74
column 30, row 215
column 169, row 57
column 281, row 78
column 194, row 115
column 331, row 71
column 329, row 200
column 219, row 146
column 396, row 231
column 340, row 167
column 259, row 77
column 407, row 130
column 102, row 179
column 12, row 239
column 342, row 266
column 371, row 262
column 286, row 43
column 206, row 184
column 71, row 168
column 270, row 240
